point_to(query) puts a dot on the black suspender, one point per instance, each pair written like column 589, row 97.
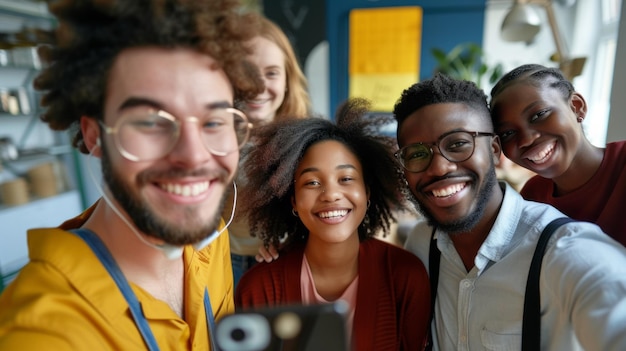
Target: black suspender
column 531, row 323
column 434, row 257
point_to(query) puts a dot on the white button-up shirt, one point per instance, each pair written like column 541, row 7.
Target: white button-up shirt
column 582, row 284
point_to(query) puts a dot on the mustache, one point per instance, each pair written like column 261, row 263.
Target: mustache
column 176, row 173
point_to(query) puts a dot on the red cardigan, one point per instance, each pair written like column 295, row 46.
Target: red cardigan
column 393, row 297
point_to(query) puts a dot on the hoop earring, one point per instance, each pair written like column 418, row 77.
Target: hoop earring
column 294, row 212
column 368, row 204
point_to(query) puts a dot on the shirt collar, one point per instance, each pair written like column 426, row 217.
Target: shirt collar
column 498, row 242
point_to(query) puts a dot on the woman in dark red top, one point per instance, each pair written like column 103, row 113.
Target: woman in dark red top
column 538, row 116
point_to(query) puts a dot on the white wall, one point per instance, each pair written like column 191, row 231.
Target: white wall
column 316, row 72
column 617, row 121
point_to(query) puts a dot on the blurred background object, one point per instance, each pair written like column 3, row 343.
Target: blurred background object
column 467, row 61
column 522, row 23
column 512, row 173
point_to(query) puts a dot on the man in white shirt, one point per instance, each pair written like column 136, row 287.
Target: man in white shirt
column 487, row 235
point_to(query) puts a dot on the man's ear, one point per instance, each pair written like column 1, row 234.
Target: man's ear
column 91, row 135
column 496, row 149
column 578, row 106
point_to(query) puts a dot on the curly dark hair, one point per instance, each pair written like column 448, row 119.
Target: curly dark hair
column 536, row 75
column 270, row 164
column 439, row 89
column 92, row 33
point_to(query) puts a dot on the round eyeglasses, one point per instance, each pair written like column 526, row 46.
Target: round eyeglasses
column 153, row 134
column 456, row 146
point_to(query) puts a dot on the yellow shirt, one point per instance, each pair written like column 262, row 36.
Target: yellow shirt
column 64, row 299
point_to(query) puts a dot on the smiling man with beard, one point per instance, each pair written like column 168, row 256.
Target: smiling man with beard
column 148, row 87
column 485, row 234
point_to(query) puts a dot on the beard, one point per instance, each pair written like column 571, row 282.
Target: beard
column 146, row 220
column 467, row 223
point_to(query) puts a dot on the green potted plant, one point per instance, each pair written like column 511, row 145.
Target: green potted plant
column 466, row 61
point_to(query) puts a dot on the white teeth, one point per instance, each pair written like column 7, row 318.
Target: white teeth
column 194, row 189
column 542, row 155
column 451, row 190
column 333, row 214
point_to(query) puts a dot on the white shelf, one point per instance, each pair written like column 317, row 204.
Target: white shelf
column 37, row 9
column 36, row 141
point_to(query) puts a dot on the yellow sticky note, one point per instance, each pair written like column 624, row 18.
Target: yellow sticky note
column 384, row 54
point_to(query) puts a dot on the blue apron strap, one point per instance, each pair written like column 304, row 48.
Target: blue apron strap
column 210, row 320
column 98, row 247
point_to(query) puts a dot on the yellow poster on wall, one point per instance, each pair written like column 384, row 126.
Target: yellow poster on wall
column 384, row 56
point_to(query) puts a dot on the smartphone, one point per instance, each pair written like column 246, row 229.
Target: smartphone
column 286, row 328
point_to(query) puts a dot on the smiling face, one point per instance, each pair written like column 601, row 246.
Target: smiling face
column 176, row 198
column 538, row 127
column 330, row 194
column 270, row 60
column 453, row 196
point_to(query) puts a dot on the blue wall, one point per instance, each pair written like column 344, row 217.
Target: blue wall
column 446, row 23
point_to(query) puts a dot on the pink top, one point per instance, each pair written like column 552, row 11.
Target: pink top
column 392, row 309
column 311, row 296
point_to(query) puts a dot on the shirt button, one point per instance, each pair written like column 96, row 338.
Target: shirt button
column 467, row 284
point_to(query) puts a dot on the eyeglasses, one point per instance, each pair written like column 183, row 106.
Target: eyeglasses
column 153, row 134
column 453, row 146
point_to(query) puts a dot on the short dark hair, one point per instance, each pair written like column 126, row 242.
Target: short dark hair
column 92, row 33
column 437, row 90
column 270, row 164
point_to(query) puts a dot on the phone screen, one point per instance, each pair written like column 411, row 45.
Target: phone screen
column 287, row 328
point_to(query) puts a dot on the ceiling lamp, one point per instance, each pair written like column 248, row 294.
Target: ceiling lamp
column 522, row 23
